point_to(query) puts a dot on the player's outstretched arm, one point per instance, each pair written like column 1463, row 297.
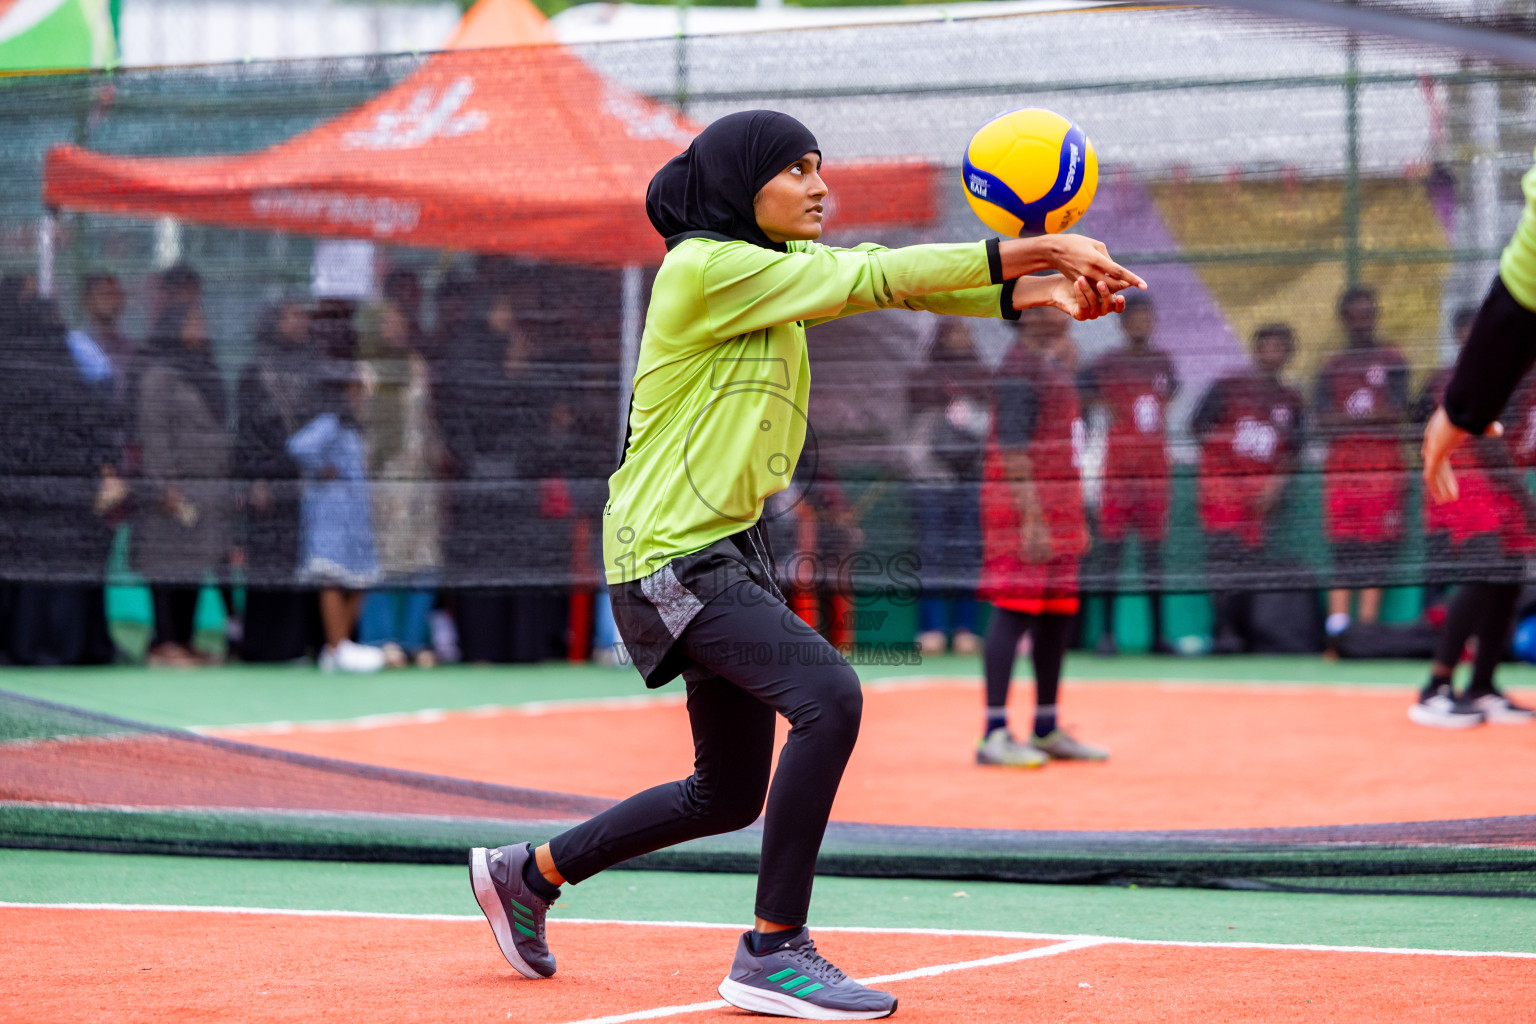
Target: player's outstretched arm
column 1499, row 352
column 1072, row 256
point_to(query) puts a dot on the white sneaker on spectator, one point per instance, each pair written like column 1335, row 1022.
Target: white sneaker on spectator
column 351, row 657
column 932, row 641
column 394, row 655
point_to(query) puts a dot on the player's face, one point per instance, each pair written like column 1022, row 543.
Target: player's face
column 294, row 323
column 789, row 207
column 1272, row 352
column 105, row 301
column 1359, row 317
column 1048, row 331
column 1136, row 322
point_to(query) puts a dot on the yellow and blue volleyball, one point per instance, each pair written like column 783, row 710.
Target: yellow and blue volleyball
column 1029, row 172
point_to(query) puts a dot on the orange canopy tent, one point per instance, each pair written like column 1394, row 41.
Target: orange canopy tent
column 506, row 142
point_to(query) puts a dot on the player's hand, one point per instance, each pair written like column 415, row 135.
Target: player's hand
column 1441, row 438
column 1075, row 256
column 1037, row 541
column 1082, row 300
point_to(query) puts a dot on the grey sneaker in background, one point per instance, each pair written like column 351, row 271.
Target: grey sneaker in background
column 516, row 913
column 796, row 981
column 1499, row 709
column 999, row 747
column 1063, row 747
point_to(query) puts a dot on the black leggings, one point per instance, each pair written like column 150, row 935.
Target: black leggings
column 1004, row 630
column 175, row 613
column 755, row 658
column 1486, row 610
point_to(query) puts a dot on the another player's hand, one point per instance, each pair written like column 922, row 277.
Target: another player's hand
column 1441, row 437
column 1037, row 541
column 1082, row 300
column 1075, row 256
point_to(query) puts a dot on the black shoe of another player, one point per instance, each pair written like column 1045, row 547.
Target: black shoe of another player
column 1439, row 708
column 516, row 913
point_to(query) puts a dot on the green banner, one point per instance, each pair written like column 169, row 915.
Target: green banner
column 44, row 34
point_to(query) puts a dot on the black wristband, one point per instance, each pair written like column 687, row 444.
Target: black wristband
column 995, row 260
column 1498, row 353
column 1005, row 303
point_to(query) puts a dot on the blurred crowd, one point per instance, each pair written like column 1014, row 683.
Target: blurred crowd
column 352, row 489
column 313, row 491
column 1252, row 431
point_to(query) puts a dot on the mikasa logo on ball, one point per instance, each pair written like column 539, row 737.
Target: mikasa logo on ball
column 979, row 185
column 1071, row 169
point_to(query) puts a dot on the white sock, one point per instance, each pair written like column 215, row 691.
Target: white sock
column 1337, row 623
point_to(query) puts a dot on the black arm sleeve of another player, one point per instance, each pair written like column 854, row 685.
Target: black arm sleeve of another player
column 1498, row 353
column 1018, row 412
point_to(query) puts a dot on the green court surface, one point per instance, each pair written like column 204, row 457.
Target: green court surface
column 240, row 694
column 253, row 694
column 1424, row 922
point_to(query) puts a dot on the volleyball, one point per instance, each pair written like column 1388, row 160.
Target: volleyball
column 1029, row 172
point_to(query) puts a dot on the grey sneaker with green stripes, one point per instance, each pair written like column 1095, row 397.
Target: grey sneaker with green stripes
column 516, row 913
column 796, row 981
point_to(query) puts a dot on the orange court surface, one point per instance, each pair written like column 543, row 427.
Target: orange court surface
column 185, row 965
column 1185, row 756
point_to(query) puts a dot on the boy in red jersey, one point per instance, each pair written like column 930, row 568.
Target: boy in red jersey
column 1034, row 533
column 1134, row 385
column 1482, row 539
column 1249, row 427
column 1362, row 408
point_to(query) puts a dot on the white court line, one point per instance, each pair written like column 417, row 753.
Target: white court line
column 884, row 979
column 428, row 716
column 966, row 933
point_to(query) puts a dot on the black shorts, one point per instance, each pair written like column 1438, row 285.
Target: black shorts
column 651, row 613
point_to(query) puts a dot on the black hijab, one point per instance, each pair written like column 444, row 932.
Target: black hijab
column 710, row 186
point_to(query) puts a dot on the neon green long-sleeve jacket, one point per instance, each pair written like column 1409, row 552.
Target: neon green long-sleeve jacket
column 1517, row 266
column 718, row 419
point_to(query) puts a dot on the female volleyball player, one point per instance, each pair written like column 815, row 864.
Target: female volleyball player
column 716, row 426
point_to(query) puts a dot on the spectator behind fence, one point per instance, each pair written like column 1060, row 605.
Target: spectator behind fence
column 183, row 531
column 490, row 422
column 1481, row 540
column 337, row 551
column 1249, row 427
column 56, row 443
column 405, row 453
column 103, row 355
column 1133, row 385
column 950, row 403
column 1034, row 532
column 275, row 399
column 1361, row 408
